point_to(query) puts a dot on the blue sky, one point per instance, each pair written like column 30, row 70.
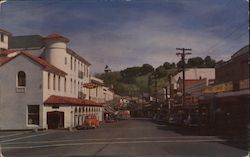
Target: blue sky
column 123, row 33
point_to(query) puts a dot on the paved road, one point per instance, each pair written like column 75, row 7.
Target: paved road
column 125, row 138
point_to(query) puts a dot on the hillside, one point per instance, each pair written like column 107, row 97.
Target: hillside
column 141, row 79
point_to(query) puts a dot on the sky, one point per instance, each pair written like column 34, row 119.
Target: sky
column 125, row 33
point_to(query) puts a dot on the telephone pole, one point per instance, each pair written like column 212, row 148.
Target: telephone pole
column 183, row 54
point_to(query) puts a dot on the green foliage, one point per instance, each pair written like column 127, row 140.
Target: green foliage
column 134, row 81
column 196, row 62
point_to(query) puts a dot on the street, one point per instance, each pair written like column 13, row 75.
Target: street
column 137, row 137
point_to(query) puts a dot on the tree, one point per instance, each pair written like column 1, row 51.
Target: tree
column 130, row 72
column 209, row 63
column 196, row 62
column 146, row 68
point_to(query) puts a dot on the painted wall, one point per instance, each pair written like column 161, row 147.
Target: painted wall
column 4, row 44
column 56, row 54
column 13, row 105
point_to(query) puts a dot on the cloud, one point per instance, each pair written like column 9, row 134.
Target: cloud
column 131, row 34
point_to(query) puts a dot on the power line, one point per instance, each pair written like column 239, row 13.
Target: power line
column 228, row 35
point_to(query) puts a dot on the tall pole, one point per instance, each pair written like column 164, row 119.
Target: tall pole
column 183, row 55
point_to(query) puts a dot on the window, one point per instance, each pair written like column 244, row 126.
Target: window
column 59, row 83
column 65, row 84
column 75, row 65
column 65, row 60
column 71, row 63
column 54, row 82
column 70, row 85
column 74, row 86
column 78, row 86
column 21, row 79
column 48, row 80
column 78, row 65
column 33, row 114
column 2, row 37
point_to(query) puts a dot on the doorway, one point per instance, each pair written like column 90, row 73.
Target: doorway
column 55, row 120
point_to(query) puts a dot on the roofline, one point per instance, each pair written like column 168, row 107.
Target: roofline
column 6, row 32
column 26, row 55
column 78, row 56
column 56, row 36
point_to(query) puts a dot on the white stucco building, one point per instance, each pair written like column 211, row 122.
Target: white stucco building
column 41, row 84
column 194, row 74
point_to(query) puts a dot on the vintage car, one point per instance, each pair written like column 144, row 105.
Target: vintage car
column 89, row 122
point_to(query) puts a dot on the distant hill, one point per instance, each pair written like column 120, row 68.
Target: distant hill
column 141, row 79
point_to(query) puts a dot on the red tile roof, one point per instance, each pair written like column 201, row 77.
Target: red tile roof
column 6, row 52
column 4, row 59
column 46, row 66
column 57, row 36
column 61, row 100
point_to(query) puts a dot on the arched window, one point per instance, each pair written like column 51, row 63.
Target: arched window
column 21, row 79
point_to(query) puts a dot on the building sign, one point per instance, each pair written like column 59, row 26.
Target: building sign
column 223, row 87
column 244, row 84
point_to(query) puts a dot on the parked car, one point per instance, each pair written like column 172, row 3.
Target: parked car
column 172, row 119
column 193, row 120
column 90, row 122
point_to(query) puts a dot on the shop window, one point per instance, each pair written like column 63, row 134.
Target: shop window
column 21, row 79
column 33, row 114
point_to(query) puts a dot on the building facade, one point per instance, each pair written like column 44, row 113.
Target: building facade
column 41, row 83
column 228, row 98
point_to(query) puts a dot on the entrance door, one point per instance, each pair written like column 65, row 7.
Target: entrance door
column 55, row 120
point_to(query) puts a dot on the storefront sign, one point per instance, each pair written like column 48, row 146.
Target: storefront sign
column 223, row 87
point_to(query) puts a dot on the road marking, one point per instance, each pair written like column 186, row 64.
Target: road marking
column 3, row 136
column 111, row 139
column 114, row 142
column 20, row 138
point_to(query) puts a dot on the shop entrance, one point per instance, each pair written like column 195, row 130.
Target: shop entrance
column 55, row 120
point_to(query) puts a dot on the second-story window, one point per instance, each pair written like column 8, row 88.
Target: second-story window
column 70, row 85
column 71, row 63
column 48, row 80
column 21, row 79
column 74, row 86
column 59, row 83
column 65, row 60
column 2, row 37
column 75, row 65
column 54, row 82
column 65, row 84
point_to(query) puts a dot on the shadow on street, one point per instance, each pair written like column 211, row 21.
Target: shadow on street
column 233, row 138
